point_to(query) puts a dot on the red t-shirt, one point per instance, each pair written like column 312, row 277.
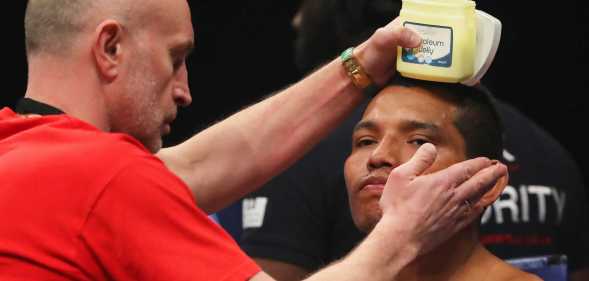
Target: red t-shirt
column 80, row 204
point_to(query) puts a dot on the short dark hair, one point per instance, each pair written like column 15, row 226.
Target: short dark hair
column 477, row 119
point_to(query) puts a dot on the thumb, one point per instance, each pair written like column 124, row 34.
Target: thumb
column 423, row 158
column 378, row 54
column 394, row 34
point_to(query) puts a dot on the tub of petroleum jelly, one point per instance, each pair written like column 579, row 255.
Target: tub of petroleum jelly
column 448, row 32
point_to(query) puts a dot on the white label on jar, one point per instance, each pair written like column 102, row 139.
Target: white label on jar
column 435, row 48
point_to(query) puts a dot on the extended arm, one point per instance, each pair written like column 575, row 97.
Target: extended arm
column 239, row 154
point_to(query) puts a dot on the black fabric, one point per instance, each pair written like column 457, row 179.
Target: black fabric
column 526, row 221
column 307, row 219
column 30, row 106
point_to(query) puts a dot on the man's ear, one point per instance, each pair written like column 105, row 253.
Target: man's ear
column 488, row 198
column 107, row 49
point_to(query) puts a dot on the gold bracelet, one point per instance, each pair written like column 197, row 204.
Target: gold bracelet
column 354, row 70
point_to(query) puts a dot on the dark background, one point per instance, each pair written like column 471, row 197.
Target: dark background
column 244, row 52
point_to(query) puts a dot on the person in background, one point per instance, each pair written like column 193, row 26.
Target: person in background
column 301, row 220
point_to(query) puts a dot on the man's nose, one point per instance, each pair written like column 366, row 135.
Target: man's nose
column 385, row 155
column 181, row 93
column 182, row 96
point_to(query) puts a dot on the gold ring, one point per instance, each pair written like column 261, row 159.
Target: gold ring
column 354, row 70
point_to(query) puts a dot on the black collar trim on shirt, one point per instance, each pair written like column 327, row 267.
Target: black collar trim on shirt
column 30, row 106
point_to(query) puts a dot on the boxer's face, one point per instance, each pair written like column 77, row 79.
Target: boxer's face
column 396, row 122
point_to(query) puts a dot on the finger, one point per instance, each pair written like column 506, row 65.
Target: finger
column 468, row 217
column 474, row 188
column 423, row 158
column 459, row 173
column 393, row 35
column 378, row 54
column 461, row 215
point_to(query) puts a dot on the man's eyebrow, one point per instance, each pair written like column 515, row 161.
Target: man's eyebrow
column 406, row 125
column 419, row 125
column 365, row 124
